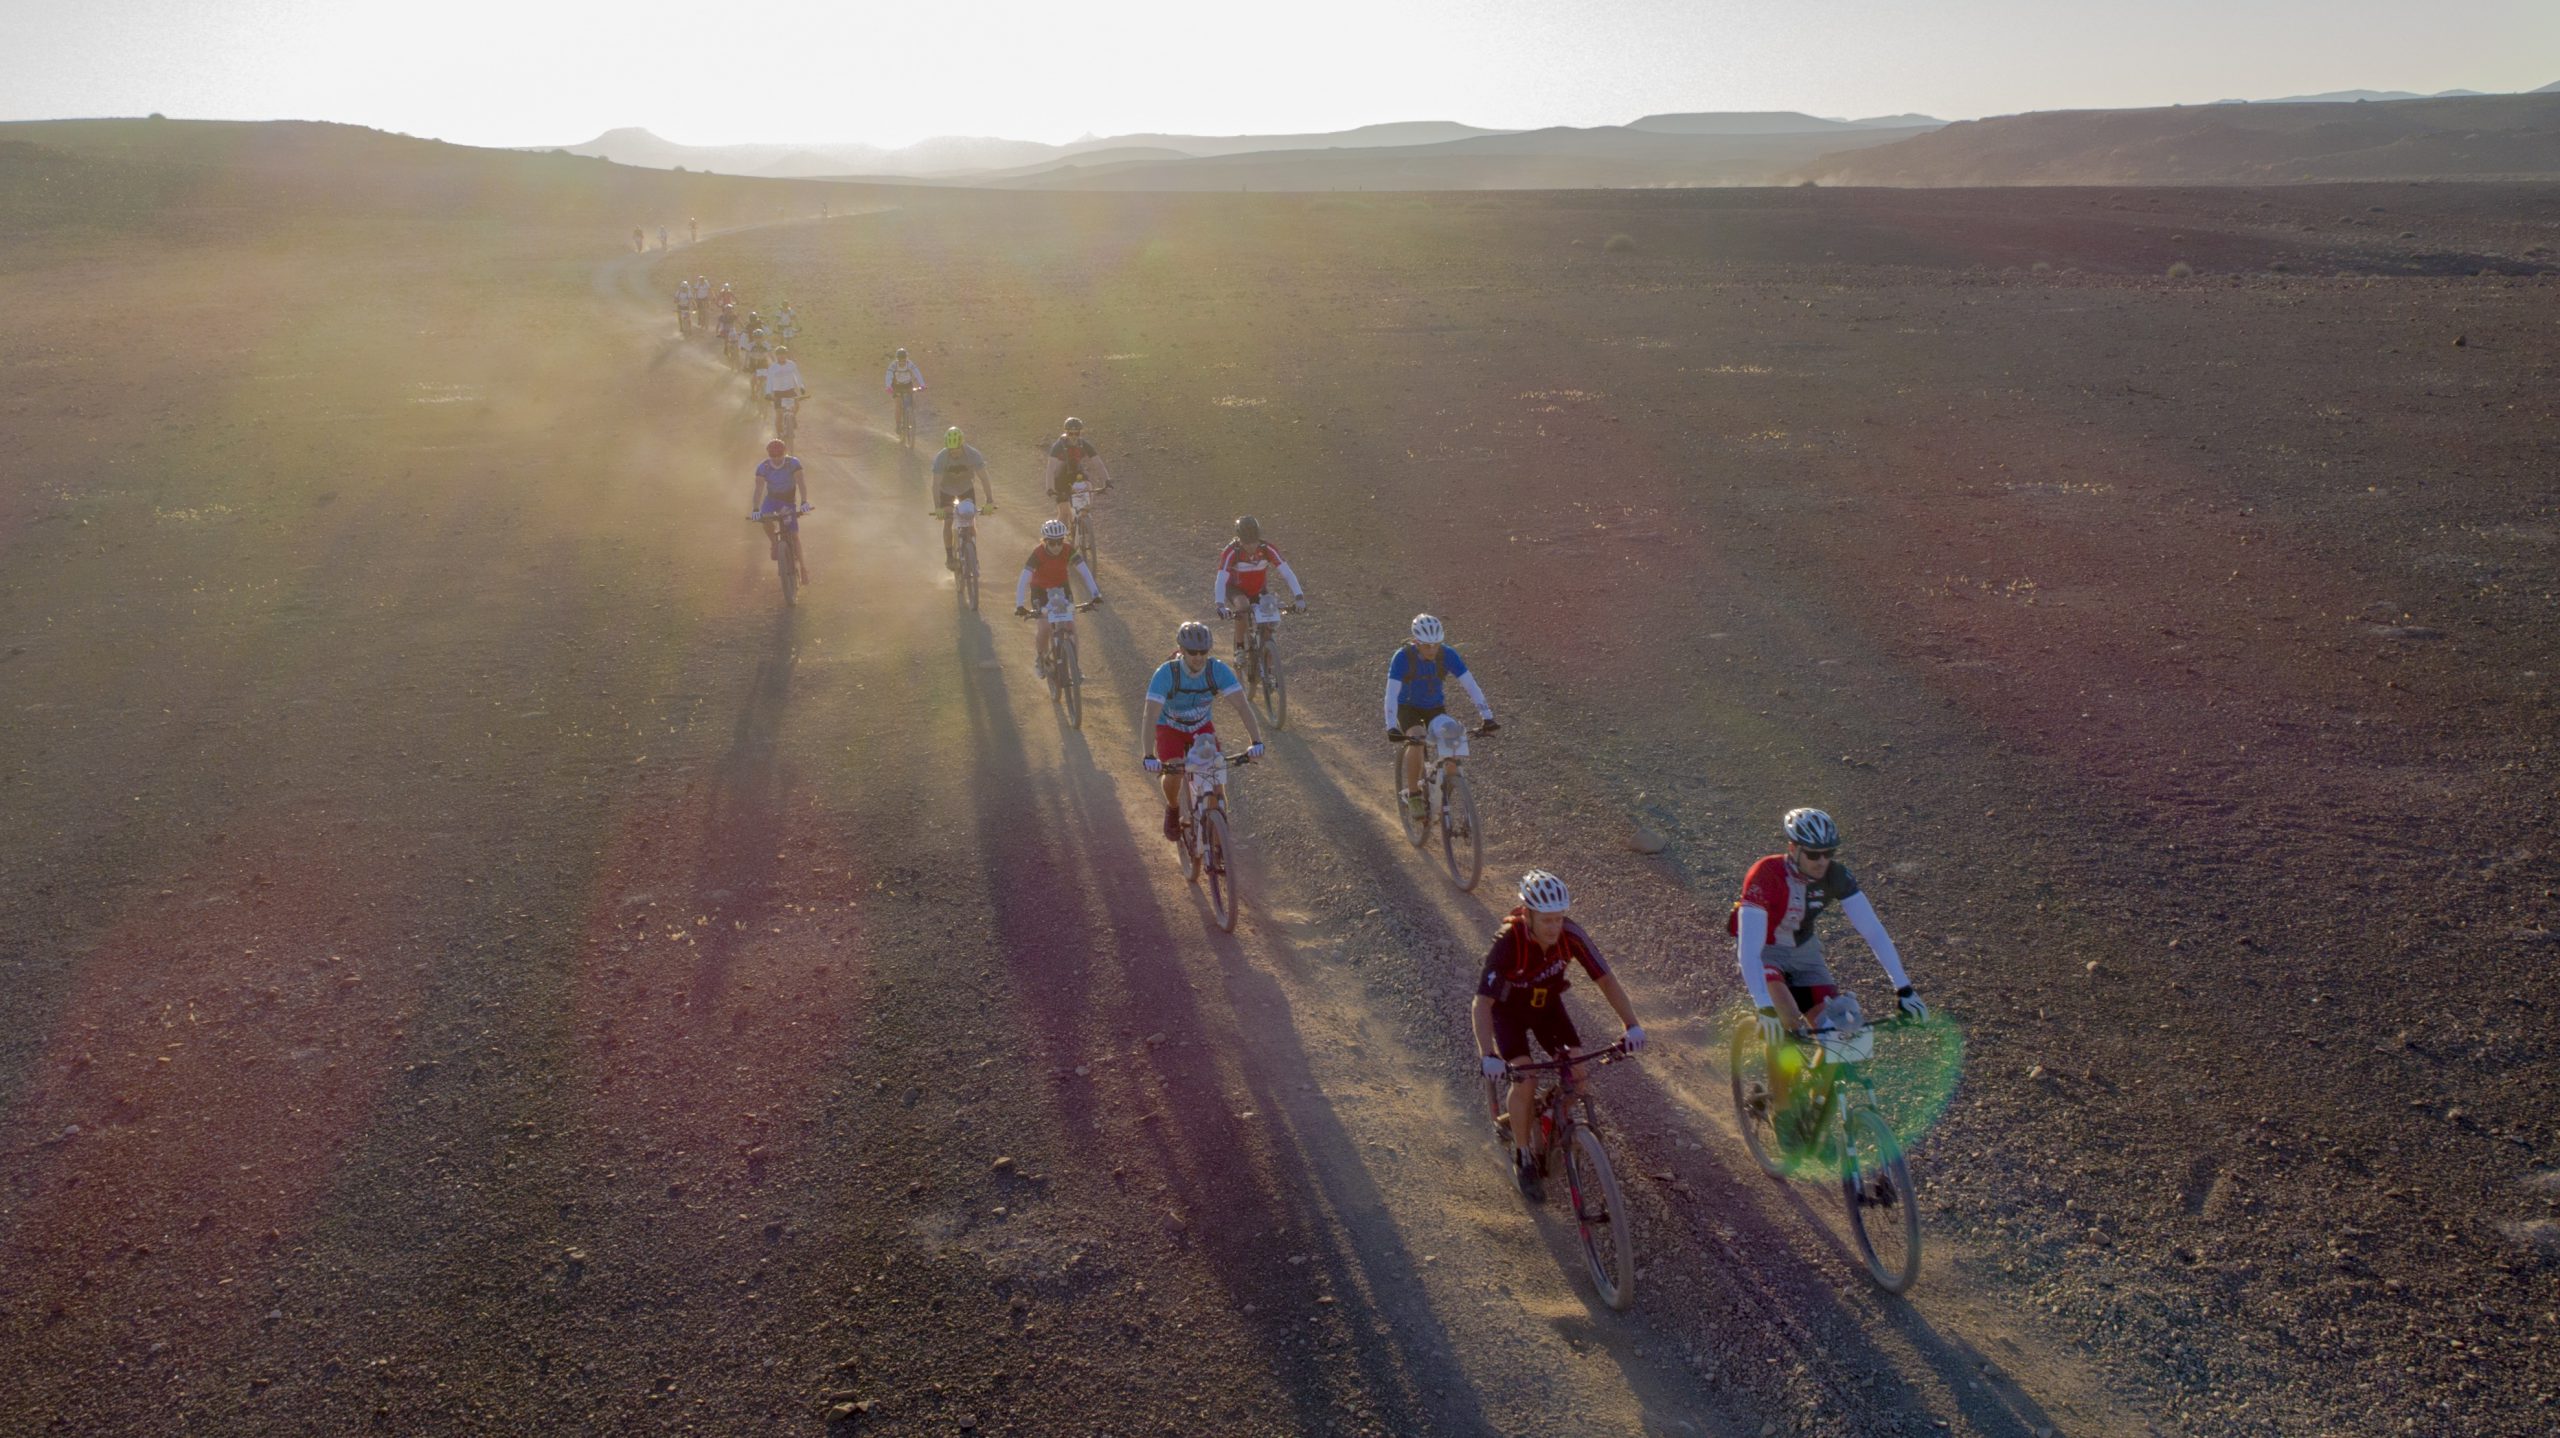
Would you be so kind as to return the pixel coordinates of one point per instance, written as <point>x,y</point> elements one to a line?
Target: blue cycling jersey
<point>1422,678</point>
<point>780,476</point>
<point>1188,697</point>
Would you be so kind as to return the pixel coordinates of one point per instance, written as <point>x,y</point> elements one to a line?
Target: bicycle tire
<point>969,572</point>
<point>1458,813</point>
<point>1415,830</point>
<point>1747,1065</point>
<point>790,576</point>
<point>1070,680</point>
<point>1217,861</point>
<point>1600,1211</point>
<point>1275,687</point>
<point>1085,547</point>
<point>1190,851</point>
<point>1884,1209</point>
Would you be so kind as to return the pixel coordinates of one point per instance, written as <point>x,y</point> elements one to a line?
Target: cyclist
<point>1520,996</point>
<point>639,245</point>
<point>959,473</point>
<point>904,380</point>
<point>758,348</point>
<point>694,229</point>
<point>684,307</point>
<point>1048,568</point>
<point>1180,698</point>
<point>786,323</point>
<point>782,379</point>
<point>662,237</point>
<point>1773,928</point>
<point>1246,566</point>
<point>782,487</point>
<point>1415,676</point>
<point>1069,456</point>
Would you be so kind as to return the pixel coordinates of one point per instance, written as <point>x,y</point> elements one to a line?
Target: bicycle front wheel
<point>1218,863</point>
<point>1070,677</point>
<point>1085,547</point>
<point>1747,1062</point>
<point>1608,1230</point>
<point>1415,829</point>
<point>969,572</point>
<point>1275,688</point>
<point>1461,841</point>
<point>1884,1211</point>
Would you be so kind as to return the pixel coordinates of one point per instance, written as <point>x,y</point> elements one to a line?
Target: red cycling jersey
<point>1050,571</point>
<point>1775,888</point>
<point>1248,576</point>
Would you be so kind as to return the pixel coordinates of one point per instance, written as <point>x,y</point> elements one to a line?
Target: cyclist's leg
<point>1511,1042</point>
<point>1171,746</point>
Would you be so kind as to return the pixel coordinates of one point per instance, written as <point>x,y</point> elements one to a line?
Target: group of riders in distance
<point>1783,1095</point>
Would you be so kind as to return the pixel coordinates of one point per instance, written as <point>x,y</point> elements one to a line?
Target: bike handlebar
<point>1609,1055</point>
<point>1401,737</point>
<point>1038,613</point>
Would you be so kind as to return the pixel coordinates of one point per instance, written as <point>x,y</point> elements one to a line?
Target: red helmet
<point>776,449</point>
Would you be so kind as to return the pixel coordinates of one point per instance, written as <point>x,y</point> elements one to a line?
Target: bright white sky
<point>534,72</point>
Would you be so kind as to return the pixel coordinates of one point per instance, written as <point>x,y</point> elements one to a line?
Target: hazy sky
<point>528,72</point>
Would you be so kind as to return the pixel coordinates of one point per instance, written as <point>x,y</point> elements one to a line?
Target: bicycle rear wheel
<point>1415,830</point>
<point>1748,1065</point>
<point>1608,1231</point>
<point>1461,841</point>
<point>1216,862</point>
<point>1070,680</point>
<point>1884,1211</point>
<point>969,572</point>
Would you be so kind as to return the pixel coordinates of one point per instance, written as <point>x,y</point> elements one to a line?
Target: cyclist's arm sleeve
<point>1089,586</point>
<point>1751,930</point>
<point>1296,590</point>
<point>1218,584</point>
<point>1395,691</point>
<point>1475,692</point>
<point>1022,588</point>
<point>1862,917</point>
<point>1100,468</point>
<point>1051,480</point>
<point>915,376</point>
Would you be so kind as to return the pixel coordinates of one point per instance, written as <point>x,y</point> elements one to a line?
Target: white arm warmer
<point>1862,917</point>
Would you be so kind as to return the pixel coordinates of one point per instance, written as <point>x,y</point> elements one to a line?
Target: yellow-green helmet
<point>951,438</point>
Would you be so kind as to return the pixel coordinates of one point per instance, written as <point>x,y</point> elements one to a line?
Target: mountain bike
<point>1449,803</point>
<point>684,321</point>
<point>1263,678</point>
<point>960,540</point>
<point>1066,676</point>
<point>907,415</point>
<point>786,417</point>
<point>782,527</point>
<point>1205,846</point>
<point>1564,1126</point>
<point>1831,1115</point>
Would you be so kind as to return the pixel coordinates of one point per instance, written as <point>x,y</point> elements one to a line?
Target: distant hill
<point>1770,122</point>
<point>1606,157</point>
<point>956,156</point>
<point>2349,97</point>
<point>2479,137</point>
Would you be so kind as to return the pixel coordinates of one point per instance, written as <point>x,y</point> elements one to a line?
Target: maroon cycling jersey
<point>1791,901</point>
<point>1518,970</point>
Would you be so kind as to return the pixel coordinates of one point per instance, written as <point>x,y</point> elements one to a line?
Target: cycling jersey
<point>1519,971</point>
<point>1046,571</point>
<point>1414,682</point>
<point>904,373</point>
<point>1786,903</point>
<point>1248,576</point>
<point>1188,697</point>
<point>956,471</point>
<point>1790,901</point>
<point>780,476</point>
<point>1071,451</point>
<point>782,377</point>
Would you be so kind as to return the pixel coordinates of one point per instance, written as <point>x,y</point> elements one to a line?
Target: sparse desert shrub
<point>1619,244</point>
<point>2181,270</point>
<point>156,115</point>
<point>2041,267</point>
<point>2278,267</point>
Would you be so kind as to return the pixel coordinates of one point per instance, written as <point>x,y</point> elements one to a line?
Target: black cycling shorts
<point>1515,1024</point>
<point>1411,716</point>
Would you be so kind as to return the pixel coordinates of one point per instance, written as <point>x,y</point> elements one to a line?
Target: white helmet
<point>1426,629</point>
<point>1204,755</point>
<point>1811,828</point>
<point>1447,734</point>
<point>1544,893</point>
<point>1054,529</point>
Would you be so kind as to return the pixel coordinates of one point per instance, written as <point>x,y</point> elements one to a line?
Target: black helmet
<point>1074,425</point>
<point>1249,530</point>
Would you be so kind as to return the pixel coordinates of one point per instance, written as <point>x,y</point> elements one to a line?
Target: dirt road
<point>473,963</point>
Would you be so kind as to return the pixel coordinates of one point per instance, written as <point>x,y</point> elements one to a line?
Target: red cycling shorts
<point>1174,745</point>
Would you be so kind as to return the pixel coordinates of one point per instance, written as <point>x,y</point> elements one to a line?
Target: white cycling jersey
<point>782,377</point>
<point>903,372</point>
